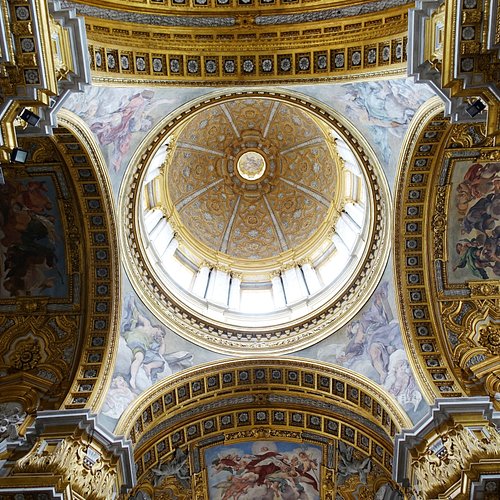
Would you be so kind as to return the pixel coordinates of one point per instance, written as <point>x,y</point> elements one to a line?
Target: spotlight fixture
<point>18,155</point>
<point>29,117</point>
<point>475,108</point>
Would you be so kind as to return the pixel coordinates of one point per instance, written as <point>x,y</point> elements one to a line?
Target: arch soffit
<point>95,367</point>
<point>238,400</point>
<point>60,324</point>
<point>442,335</point>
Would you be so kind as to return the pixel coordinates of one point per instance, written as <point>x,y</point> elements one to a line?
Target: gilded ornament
<point>440,464</point>
<point>27,355</point>
<point>490,155</point>
<point>69,459</point>
<point>466,135</point>
<point>489,337</point>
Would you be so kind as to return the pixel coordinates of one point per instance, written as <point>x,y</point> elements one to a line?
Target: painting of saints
<point>477,202</point>
<point>264,470</point>
<point>375,349</point>
<point>143,358</point>
<point>31,255</point>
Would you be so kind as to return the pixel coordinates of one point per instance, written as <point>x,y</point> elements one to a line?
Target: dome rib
<point>229,227</point>
<point>281,237</point>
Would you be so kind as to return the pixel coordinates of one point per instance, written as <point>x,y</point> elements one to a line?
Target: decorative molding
<point>454,445</point>
<point>131,49</point>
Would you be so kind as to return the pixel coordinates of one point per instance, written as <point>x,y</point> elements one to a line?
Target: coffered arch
<point>236,402</point>
<point>446,229</point>
<point>60,291</point>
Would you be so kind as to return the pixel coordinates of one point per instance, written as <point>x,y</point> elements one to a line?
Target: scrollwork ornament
<point>439,223</point>
<point>69,459</point>
<point>491,155</point>
<point>27,355</point>
<point>489,337</point>
<point>199,486</point>
<point>466,135</point>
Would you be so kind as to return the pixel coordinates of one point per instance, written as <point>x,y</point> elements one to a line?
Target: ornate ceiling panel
<point>236,44</point>
<point>261,217</point>
<point>230,7</point>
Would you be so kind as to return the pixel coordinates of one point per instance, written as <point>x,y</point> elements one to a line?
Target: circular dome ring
<point>174,307</point>
<point>251,166</point>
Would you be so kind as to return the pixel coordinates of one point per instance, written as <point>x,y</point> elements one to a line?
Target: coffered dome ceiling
<point>253,179</point>
<point>251,216</point>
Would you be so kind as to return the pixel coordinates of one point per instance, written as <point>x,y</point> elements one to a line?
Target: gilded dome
<point>252,178</point>
<point>252,215</point>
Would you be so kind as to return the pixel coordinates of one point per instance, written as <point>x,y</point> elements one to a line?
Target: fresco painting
<point>32,257</point>
<point>121,117</point>
<point>474,238</point>
<point>371,344</point>
<point>381,110</point>
<point>264,470</point>
<point>147,353</point>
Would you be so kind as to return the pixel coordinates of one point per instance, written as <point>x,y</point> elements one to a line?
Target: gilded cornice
<point>286,337</point>
<point>442,317</point>
<point>452,452</point>
<point>248,51</point>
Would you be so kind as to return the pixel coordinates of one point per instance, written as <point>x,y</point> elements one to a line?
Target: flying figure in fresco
<point>268,474</point>
<point>478,204</point>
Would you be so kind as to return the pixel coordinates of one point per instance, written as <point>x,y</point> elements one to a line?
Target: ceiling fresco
<point>249,258</point>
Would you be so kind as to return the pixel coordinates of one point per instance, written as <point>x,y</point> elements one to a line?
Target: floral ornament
<point>157,65</point>
<point>124,62</point>
<point>489,337</point>
<point>140,63</point>
<point>175,65</point>
<point>267,65</point>
<point>339,60</point>
<point>356,58</point>
<point>322,62</point>
<point>229,66</point>
<point>31,76</point>
<point>27,355</point>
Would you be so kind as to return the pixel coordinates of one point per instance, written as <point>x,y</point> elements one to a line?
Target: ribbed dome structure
<point>252,178</point>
